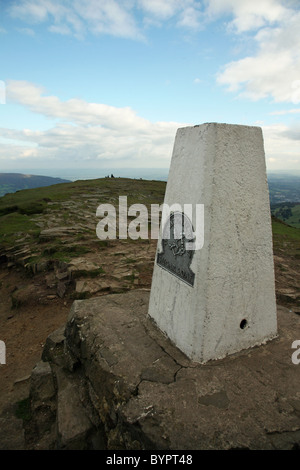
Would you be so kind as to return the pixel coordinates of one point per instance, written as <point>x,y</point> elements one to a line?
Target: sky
<point>107,83</point>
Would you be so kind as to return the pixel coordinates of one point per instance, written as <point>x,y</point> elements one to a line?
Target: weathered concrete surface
<point>221,166</point>
<point>136,390</point>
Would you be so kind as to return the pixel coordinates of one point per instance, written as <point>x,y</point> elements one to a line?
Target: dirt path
<point>24,331</point>
<point>31,309</point>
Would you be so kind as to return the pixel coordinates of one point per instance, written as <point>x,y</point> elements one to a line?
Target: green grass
<point>35,200</point>
<point>295,219</point>
<point>130,277</point>
<point>288,213</point>
<point>286,231</point>
<point>286,238</point>
<point>6,188</point>
<point>61,252</point>
<point>58,252</point>
<point>129,261</point>
<point>91,273</point>
<point>14,224</point>
<point>102,243</point>
<point>17,208</point>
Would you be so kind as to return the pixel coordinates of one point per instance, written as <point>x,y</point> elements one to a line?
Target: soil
<point>24,331</point>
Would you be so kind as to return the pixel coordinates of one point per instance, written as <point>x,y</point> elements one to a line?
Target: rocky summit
<point>85,368</point>
<point>111,380</point>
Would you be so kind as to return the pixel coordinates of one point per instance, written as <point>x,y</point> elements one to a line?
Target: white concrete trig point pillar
<point>219,299</point>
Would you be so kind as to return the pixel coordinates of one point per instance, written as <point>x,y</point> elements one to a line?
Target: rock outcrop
<point>109,379</point>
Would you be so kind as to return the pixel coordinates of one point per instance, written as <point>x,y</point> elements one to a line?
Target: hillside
<point>50,255</point>
<point>12,182</point>
<point>40,228</point>
<point>288,212</point>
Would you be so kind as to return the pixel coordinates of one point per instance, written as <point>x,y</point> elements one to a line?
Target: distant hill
<point>283,188</point>
<point>12,182</point>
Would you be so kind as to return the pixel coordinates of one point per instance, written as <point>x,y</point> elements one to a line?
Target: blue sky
<point>106,83</point>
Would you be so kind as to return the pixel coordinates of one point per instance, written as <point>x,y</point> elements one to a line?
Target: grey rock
<point>62,275</point>
<point>61,289</point>
<point>53,350</point>
<point>57,232</point>
<point>128,387</point>
<point>42,388</point>
<point>73,424</point>
<point>11,432</point>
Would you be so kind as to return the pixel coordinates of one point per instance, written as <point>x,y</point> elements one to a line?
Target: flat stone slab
<point>149,395</point>
<point>56,232</point>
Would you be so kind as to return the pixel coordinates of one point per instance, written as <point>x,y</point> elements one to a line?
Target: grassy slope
<point>286,238</point>
<point>294,219</point>
<point>16,209</point>
<point>63,191</point>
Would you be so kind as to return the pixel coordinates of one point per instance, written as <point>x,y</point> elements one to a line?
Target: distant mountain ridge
<point>12,182</point>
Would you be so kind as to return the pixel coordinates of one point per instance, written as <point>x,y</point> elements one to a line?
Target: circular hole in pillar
<point>243,324</point>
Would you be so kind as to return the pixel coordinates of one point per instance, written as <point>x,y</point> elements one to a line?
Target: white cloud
<point>27,31</point>
<point>76,17</point>
<point>70,144</point>
<point>190,18</point>
<point>60,29</point>
<point>274,70</point>
<point>162,9</point>
<point>282,146</point>
<point>87,131</point>
<point>73,110</point>
<point>108,16</point>
<point>98,134</point>
<point>285,111</point>
<point>33,11</point>
<point>113,17</point>
<point>120,18</point>
<point>248,14</point>
<point>273,26</point>
<point>99,131</point>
